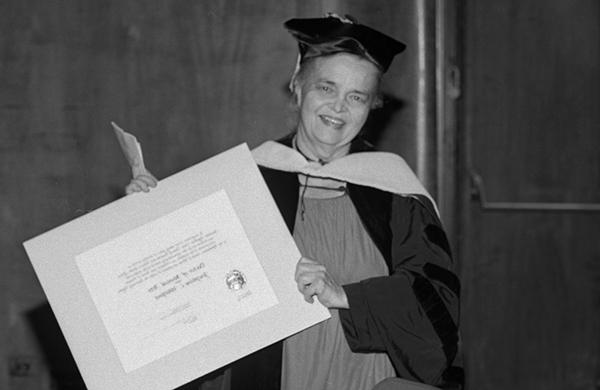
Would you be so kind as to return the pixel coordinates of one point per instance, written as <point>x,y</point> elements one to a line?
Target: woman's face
<point>335,96</point>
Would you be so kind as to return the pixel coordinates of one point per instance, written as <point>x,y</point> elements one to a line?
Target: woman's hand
<point>313,279</point>
<point>141,182</point>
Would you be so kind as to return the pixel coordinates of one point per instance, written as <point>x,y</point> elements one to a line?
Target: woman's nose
<point>339,104</point>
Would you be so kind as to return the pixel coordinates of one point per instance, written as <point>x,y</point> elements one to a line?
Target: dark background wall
<point>188,78</point>
<point>192,78</point>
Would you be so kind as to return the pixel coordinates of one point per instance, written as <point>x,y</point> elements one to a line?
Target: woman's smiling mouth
<point>336,123</point>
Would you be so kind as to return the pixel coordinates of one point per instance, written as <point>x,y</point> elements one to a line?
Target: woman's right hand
<point>141,182</point>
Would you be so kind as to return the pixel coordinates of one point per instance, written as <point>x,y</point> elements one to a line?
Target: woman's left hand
<point>313,279</point>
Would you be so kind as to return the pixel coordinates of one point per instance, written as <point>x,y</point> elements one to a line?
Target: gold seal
<point>235,280</point>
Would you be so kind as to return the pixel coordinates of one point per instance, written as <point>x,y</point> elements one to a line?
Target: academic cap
<point>334,34</point>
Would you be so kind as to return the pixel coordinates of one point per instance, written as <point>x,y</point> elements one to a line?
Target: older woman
<point>374,251</point>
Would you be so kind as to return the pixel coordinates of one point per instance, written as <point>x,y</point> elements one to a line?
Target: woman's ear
<point>377,102</point>
<point>297,92</point>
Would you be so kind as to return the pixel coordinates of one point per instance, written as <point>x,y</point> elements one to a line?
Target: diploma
<point>157,289</point>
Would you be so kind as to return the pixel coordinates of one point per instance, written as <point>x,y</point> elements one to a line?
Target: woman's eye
<point>324,88</point>
<point>357,99</point>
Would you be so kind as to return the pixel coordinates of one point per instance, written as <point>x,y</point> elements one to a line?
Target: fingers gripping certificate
<point>197,277</point>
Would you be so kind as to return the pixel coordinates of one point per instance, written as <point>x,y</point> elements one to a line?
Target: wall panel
<point>531,299</point>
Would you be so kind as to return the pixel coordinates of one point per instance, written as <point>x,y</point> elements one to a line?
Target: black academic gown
<point>412,315</point>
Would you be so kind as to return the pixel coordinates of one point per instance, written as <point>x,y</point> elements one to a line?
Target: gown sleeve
<point>412,314</point>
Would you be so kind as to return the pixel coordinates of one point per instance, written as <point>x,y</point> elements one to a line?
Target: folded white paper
<point>159,288</point>
<point>131,149</point>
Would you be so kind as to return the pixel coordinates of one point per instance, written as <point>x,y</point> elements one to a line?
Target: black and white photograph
<point>299,195</point>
